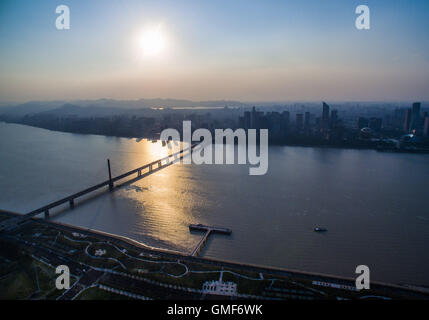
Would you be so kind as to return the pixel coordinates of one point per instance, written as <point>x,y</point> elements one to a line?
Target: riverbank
<point>134,248</point>
<point>303,188</point>
<point>354,145</point>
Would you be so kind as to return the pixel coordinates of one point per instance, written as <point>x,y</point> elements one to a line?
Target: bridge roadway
<point>168,160</point>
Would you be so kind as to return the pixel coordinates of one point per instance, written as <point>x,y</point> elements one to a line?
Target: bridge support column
<point>71,204</point>
<point>139,173</point>
<point>110,176</point>
<point>150,167</point>
<point>159,164</point>
<point>47,214</point>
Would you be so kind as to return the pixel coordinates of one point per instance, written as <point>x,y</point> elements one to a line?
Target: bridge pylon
<point>111,186</point>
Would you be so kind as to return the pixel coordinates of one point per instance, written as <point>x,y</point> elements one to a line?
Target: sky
<point>247,50</point>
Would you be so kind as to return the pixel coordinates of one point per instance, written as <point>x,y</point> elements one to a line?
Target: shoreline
<point>285,272</point>
<point>271,143</point>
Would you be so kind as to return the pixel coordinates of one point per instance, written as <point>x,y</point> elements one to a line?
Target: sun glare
<point>152,41</point>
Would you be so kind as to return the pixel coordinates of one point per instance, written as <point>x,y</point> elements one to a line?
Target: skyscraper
<point>307,120</point>
<point>415,116</point>
<point>253,119</point>
<point>247,118</point>
<point>375,124</point>
<point>299,121</point>
<point>256,118</point>
<point>286,117</point>
<point>407,121</point>
<point>426,128</point>
<point>325,117</point>
<point>334,117</point>
<point>363,122</point>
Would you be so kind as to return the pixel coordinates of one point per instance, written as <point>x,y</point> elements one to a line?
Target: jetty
<point>208,230</point>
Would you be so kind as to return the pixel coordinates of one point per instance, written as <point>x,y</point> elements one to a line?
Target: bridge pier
<point>139,173</point>
<point>71,204</point>
<point>159,164</point>
<point>150,168</point>
<point>110,176</point>
<point>47,214</point>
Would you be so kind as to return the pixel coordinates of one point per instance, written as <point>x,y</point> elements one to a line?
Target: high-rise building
<point>375,124</point>
<point>307,120</point>
<point>363,122</point>
<point>334,117</point>
<point>426,128</point>
<point>407,121</point>
<point>325,116</point>
<point>253,119</point>
<point>299,121</point>
<point>398,117</point>
<point>246,119</point>
<point>286,117</point>
<point>415,116</point>
<point>256,119</point>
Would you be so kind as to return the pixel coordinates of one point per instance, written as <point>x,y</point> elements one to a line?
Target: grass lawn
<point>98,294</point>
<point>17,285</point>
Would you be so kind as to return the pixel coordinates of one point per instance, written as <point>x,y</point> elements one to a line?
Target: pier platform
<point>208,231</point>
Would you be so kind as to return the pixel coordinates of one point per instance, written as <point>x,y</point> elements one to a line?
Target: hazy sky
<point>249,50</point>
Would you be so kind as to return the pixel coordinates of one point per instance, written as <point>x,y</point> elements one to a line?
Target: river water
<point>375,205</point>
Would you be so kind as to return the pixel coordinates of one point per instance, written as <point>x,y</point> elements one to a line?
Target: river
<point>374,205</point>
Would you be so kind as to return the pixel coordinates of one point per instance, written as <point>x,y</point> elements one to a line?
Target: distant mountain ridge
<point>34,107</point>
<point>105,107</point>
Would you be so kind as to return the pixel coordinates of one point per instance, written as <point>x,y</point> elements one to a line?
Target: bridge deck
<point>201,227</point>
<point>168,160</point>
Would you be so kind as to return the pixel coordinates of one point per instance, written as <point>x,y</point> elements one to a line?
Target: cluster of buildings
<point>329,127</point>
<point>403,120</point>
<point>280,123</point>
<point>306,125</point>
<point>349,124</point>
<point>416,122</point>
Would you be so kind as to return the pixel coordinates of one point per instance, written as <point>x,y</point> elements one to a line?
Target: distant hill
<point>107,106</point>
<point>69,109</point>
<point>29,108</point>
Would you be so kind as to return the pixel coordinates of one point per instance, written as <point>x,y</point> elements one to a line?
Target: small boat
<point>320,229</point>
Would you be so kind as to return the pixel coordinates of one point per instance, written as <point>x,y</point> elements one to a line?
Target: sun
<point>152,41</point>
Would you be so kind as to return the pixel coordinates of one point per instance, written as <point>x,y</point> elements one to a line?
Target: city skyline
<point>210,51</point>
